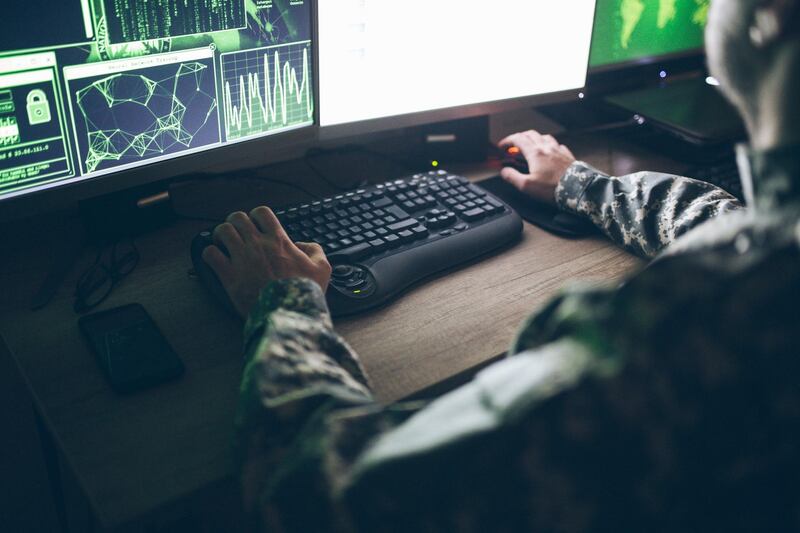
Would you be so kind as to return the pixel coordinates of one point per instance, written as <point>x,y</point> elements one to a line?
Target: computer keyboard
<point>384,238</point>
<point>724,173</point>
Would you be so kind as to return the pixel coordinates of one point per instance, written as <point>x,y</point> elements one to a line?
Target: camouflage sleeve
<point>643,212</point>
<point>318,454</point>
<point>297,371</point>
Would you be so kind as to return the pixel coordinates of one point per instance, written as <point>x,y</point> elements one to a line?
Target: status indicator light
<point>434,163</point>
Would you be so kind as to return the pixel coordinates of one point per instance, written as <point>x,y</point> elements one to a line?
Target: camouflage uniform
<point>669,403</point>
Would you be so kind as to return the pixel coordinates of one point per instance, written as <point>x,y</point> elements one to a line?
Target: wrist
<point>573,184</point>
<point>297,295</point>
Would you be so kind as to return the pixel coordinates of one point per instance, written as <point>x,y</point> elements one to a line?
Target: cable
<point>325,179</point>
<point>239,176</point>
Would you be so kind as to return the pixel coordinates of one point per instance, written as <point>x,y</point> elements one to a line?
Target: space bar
<point>403,224</point>
<point>354,253</point>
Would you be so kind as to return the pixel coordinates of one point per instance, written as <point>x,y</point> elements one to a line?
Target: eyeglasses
<point>97,283</point>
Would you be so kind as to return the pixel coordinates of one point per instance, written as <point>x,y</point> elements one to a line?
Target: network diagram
<point>123,83</point>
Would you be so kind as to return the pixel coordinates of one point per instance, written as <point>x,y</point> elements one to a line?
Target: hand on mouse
<point>547,159</point>
<point>261,252</point>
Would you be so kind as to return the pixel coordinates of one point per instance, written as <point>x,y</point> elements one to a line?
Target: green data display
<point>116,84</point>
<point>628,30</point>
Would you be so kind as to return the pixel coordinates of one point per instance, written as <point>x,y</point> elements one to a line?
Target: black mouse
<point>207,276</point>
<point>512,157</point>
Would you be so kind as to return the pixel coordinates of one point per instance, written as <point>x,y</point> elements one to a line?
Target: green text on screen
<point>100,86</point>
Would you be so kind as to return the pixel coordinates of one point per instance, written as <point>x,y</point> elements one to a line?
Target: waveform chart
<point>266,90</point>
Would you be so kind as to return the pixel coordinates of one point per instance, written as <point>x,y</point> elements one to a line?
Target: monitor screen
<point>94,87</point>
<point>384,58</point>
<point>629,31</point>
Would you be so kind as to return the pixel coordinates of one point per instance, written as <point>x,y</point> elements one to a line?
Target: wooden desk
<point>141,457</point>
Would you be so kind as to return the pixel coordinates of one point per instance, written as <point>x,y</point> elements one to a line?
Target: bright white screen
<point>381,58</point>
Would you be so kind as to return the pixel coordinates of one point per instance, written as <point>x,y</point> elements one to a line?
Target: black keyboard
<point>724,173</point>
<point>384,238</point>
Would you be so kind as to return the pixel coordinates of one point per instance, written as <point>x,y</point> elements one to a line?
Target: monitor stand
<point>689,109</point>
<point>685,119</point>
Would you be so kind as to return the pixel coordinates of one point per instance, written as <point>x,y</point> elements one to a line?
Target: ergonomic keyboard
<point>384,238</point>
<point>724,173</point>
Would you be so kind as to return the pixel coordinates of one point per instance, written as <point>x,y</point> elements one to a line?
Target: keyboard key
<point>378,244</point>
<point>352,253</point>
<point>473,214</point>
<point>402,225</point>
<point>420,231</point>
<point>397,212</point>
<point>392,240</point>
<point>406,236</point>
<point>355,284</point>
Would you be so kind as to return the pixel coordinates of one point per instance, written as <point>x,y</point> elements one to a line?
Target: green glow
<point>161,19</point>
<point>154,102</point>
<point>283,99</point>
<point>626,30</point>
<point>9,131</point>
<point>33,147</point>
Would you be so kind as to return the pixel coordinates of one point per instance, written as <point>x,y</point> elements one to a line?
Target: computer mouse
<point>206,274</point>
<point>512,157</point>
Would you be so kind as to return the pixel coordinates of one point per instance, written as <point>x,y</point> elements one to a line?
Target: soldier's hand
<point>547,160</point>
<point>261,252</point>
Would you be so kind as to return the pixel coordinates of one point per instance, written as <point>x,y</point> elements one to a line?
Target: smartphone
<point>129,347</point>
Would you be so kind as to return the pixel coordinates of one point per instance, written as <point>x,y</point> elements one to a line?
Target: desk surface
<point>135,454</point>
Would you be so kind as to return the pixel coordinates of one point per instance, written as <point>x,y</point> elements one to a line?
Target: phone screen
<point>130,349</point>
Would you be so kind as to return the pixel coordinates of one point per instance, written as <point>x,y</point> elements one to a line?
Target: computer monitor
<point>389,63</point>
<point>118,93</point>
<point>637,32</point>
<point>109,93</point>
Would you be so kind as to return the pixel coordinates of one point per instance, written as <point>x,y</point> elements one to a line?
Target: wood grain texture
<point>135,455</point>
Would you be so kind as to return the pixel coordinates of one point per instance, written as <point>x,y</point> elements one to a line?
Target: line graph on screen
<point>266,89</point>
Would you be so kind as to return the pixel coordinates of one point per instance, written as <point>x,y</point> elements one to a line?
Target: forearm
<point>643,212</point>
<point>297,372</point>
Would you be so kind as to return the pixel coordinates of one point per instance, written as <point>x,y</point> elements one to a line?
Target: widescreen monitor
<point>631,32</point>
<point>392,63</point>
<point>90,89</point>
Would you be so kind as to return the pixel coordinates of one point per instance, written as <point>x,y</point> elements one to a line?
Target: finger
<point>566,151</point>
<point>514,139</point>
<point>530,149</point>
<point>268,223</point>
<point>313,250</point>
<point>515,178</point>
<point>507,141</point>
<point>226,235</point>
<point>534,136</point>
<point>247,230</point>
<point>218,262</point>
<point>550,141</point>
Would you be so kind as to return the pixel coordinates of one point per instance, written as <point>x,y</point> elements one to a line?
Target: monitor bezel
<point>351,130</point>
<point>262,150</point>
<point>645,61</point>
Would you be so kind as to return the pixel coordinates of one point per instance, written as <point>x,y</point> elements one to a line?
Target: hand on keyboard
<point>547,162</point>
<point>251,251</point>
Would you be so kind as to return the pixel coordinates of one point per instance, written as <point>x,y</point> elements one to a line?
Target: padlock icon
<point>38,107</point>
